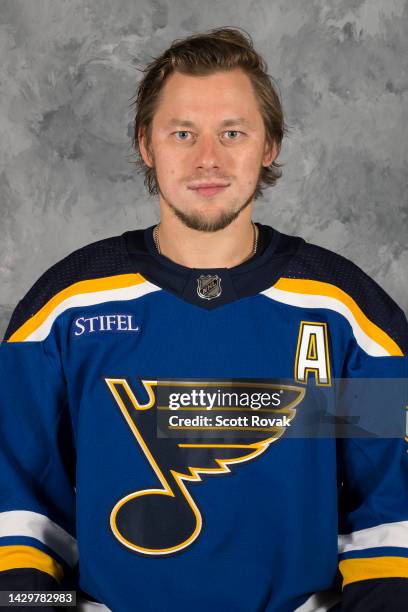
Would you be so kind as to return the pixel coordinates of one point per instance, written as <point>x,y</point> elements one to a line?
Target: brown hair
<point>202,54</point>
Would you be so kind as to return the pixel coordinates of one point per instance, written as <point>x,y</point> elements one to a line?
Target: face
<point>207,147</point>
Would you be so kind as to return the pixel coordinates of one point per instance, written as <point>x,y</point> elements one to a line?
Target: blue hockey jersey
<point>151,456</point>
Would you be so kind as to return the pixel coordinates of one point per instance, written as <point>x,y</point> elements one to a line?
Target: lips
<point>207,185</point>
<point>208,189</point>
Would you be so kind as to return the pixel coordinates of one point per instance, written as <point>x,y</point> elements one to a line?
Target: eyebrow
<point>225,123</point>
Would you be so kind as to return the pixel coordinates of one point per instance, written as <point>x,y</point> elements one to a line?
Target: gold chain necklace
<point>254,247</point>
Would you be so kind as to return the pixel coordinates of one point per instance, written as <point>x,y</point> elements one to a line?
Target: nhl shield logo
<point>208,286</point>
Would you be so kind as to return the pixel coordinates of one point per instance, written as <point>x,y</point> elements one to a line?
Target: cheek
<point>168,159</point>
<point>168,172</point>
<point>249,166</point>
<point>252,157</point>
<point>163,161</point>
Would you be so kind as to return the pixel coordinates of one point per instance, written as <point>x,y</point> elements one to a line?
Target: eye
<point>182,132</point>
<point>236,132</point>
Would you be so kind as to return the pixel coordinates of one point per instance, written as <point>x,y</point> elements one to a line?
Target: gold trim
<point>21,556</point>
<point>366,568</point>
<point>312,287</point>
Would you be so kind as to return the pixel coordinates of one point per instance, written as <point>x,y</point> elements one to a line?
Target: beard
<point>198,221</point>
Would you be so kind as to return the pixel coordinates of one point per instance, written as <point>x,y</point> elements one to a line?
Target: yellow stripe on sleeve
<point>354,570</point>
<point>22,556</point>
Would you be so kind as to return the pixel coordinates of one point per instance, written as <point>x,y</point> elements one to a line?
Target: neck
<point>224,248</point>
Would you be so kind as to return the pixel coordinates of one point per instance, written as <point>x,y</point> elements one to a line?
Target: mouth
<point>208,190</point>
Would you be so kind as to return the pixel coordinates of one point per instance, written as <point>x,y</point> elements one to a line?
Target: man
<point>154,385</point>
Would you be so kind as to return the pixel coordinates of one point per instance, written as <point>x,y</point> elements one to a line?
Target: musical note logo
<point>166,520</point>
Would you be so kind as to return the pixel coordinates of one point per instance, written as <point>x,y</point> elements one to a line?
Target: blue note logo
<point>166,519</point>
<point>105,323</point>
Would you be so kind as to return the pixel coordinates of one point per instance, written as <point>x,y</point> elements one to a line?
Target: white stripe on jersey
<point>88,299</point>
<point>35,525</point>
<point>320,602</point>
<point>388,534</point>
<point>306,300</point>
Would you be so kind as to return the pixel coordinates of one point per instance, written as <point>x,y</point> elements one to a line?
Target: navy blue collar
<point>213,287</point>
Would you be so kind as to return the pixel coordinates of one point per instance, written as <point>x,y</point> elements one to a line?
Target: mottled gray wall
<point>67,76</point>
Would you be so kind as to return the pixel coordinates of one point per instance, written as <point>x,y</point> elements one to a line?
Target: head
<point>208,113</point>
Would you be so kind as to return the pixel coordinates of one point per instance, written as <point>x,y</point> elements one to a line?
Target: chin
<point>207,222</point>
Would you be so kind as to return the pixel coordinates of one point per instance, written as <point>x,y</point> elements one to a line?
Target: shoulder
<point>103,258</point>
<point>334,281</point>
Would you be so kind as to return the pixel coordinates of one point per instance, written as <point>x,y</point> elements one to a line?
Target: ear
<point>270,153</point>
<point>144,150</point>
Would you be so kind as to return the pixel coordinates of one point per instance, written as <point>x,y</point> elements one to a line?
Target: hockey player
<point>131,466</point>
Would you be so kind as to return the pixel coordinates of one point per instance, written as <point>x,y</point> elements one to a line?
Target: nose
<point>208,152</point>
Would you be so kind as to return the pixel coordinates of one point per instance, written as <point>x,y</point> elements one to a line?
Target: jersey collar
<point>211,288</point>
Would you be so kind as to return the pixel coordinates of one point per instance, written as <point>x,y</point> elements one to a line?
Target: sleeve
<point>373,472</point>
<point>38,548</point>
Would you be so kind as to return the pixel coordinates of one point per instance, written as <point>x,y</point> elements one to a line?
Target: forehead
<point>228,93</point>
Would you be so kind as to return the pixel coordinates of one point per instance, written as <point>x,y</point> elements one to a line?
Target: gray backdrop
<point>68,72</point>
